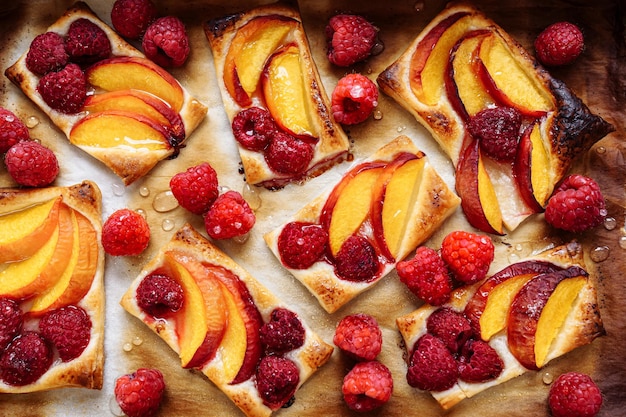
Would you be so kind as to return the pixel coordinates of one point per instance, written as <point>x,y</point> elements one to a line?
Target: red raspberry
<point>159,295</point>
<point>479,362</point>
<point>86,42</point>
<point>11,321</point>
<point>125,233</point>
<point>196,189</point>
<point>69,330</point>
<point>65,90</point>
<point>498,130</point>
<point>31,164</point>
<point>350,39</point>
<point>283,333</point>
<point>354,99</point>
<point>276,380</point>
<point>25,360</point>
<point>357,260</point>
<point>367,386</point>
<point>229,216</point>
<point>254,128</point>
<point>559,44</point>
<point>46,53</point>
<point>139,394</point>
<point>131,18</point>
<point>288,155</point>
<point>426,276</point>
<point>451,327</point>
<point>12,130</point>
<point>432,367</point>
<point>359,336</point>
<point>574,395</point>
<point>166,42</point>
<point>576,205</point>
<point>468,255</point>
<point>301,244</point>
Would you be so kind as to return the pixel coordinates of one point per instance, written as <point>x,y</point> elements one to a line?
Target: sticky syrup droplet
<point>401,128</point>
<point>32,121</point>
<point>168,224</point>
<point>127,347</point>
<point>144,191</point>
<point>622,242</point>
<point>241,239</point>
<point>141,212</point>
<point>419,6</point>
<point>600,253</point>
<point>164,202</point>
<point>378,115</point>
<point>547,378</point>
<point>600,150</point>
<point>252,196</point>
<point>118,189</point>
<point>137,341</point>
<point>115,407</point>
<point>610,223</point>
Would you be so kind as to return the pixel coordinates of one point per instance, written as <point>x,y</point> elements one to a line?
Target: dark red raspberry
<point>125,233</point>
<point>65,90</point>
<point>559,44</point>
<point>359,336</point>
<point>254,128</point>
<point>86,42</point>
<point>283,332</point>
<point>159,295</point>
<point>139,394</point>
<point>468,255</point>
<point>451,327</point>
<point>229,216</point>
<point>426,276</point>
<point>276,380</point>
<point>574,395</point>
<point>350,39</point>
<point>166,42</point>
<point>357,260</point>
<point>497,130</point>
<point>432,367</point>
<point>69,330</point>
<point>301,244</point>
<point>288,155</point>
<point>131,18</point>
<point>31,164</point>
<point>367,386</point>
<point>46,53</point>
<point>479,362</point>
<point>576,205</point>
<point>25,360</point>
<point>12,130</point>
<point>11,321</point>
<point>196,188</point>
<point>354,99</point>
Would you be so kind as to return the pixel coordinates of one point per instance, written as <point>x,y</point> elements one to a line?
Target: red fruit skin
<point>159,295</point>
<point>69,330</point>
<point>350,39</point>
<point>166,42</point>
<point>12,130</point>
<point>479,362</point>
<point>559,44</point>
<point>354,98</point>
<point>367,386</point>
<point>468,255</point>
<point>196,188</point>
<point>31,164</point>
<point>11,321</point>
<point>357,260</point>
<point>452,327</point>
<point>25,360</point>
<point>229,216</point>
<point>65,90</point>
<point>131,18</point>
<point>139,394</point>
<point>46,53</point>
<point>86,42</point>
<point>277,379</point>
<point>283,332</point>
<point>288,155</point>
<point>125,233</point>
<point>301,244</point>
<point>432,367</point>
<point>426,276</point>
<point>574,394</point>
<point>359,336</point>
<point>254,128</point>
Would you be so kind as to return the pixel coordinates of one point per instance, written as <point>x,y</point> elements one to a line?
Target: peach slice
<point>233,350</point>
<point>532,168</point>
<point>124,73</point>
<point>23,232</point>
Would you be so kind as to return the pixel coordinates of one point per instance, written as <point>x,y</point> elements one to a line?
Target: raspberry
<point>574,395</point>
<point>131,18</point>
<point>166,43</point>
<point>479,362</point>
<point>196,189</point>
<point>498,130</point>
<point>576,205</point>
<point>359,336</point>
<point>125,233</point>
<point>367,386</point>
<point>12,130</point>
<point>254,128</point>
<point>25,360</point>
<point>432,367</point>
<point>229,216</point>
<point>69,330</point>
<point>354,99</point>
<point>31,164</point>
<point>46,53</point>
<point>451,327</point>
<point>159,295</point>
<point>559,44</point>
<point>426,276</point>
<point>288,155</point>
<point>11,321</point>
<point>276,380</point>
<point>139,394</point>
<point>301,244</point>
<point>468,255</point>
<point>350,39</point>
<point>356,260</point>
<point>65,90</point>
<point>86,42</point>
<point>283,333</point>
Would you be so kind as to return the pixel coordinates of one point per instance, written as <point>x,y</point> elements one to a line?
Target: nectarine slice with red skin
<point>531,169</point>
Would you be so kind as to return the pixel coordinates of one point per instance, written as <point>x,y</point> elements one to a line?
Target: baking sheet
<point>598,76</point>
